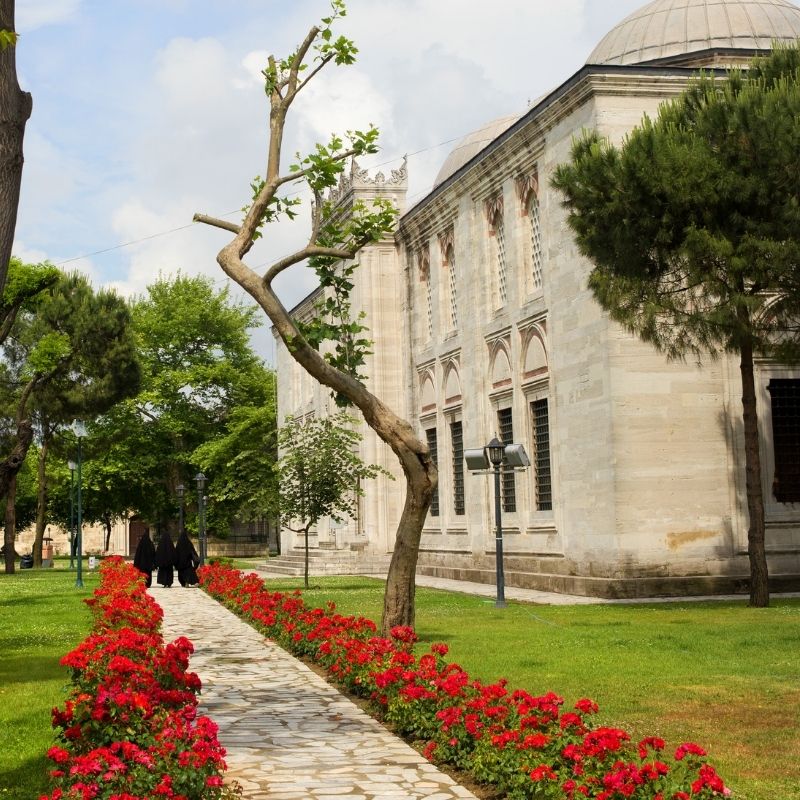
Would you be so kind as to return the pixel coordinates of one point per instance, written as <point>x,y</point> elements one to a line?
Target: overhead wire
<point>158,235</point>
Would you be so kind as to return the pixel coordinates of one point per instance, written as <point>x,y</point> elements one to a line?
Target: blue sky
<point>145,111</point>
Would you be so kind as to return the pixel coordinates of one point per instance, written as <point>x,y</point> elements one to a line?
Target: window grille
<point>785,401</point>
<point>536,241</point>
<point>430,435</point>
<point>541,455</point>
<point>505,422</point>
<point>429,306</point>
<point>457,441</point>
<point>451,282</point>
<point>502,276</point>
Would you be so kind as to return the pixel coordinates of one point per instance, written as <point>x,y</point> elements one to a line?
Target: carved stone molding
<point>527,186</point>
<point>424,264</point>
<point>360,179</point>
<point>446,243</point>
<point>493,207</point>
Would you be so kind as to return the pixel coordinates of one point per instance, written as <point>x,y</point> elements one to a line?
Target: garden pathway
<point>288,733</point>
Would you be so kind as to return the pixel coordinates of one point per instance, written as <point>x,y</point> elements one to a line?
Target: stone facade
<point>483,325</point>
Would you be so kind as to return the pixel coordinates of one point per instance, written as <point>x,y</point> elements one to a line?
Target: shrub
<point>129,729</point>
<point>526,745</point>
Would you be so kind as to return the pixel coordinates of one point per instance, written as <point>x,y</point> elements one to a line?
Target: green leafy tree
<point>201,388</point>
<point>334,241</point>
<point>240,463</point>
<point>320,473</point>
<point>70,354</point>
<point>693,225</point>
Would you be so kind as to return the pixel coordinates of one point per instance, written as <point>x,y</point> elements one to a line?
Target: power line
<point>238,211</point>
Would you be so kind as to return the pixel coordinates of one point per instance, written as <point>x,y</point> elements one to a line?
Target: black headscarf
<point>186,560</point>
<point>144,557</point>
<point>165,559</point>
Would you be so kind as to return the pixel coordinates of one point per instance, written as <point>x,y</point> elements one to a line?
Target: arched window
<point>534,218</point>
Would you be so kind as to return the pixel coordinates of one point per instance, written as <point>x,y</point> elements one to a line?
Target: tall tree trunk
<point>15,109</point>
<point>413,454</point>
<point>759,575</point>
<point>305,567</point>
<point>11,465</point>
<point>107,524</point>
<point>10,530</point>
<point>41,502</point>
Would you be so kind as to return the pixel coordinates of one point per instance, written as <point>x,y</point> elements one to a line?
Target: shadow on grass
<point>24,669</point>
<point>25,781</point>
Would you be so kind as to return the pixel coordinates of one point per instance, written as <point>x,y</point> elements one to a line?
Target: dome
<point>669,28</point>
<point>471,145</point>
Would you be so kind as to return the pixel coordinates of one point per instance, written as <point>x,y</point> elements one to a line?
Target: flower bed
<point>527,746</point>
<point>129,729</point>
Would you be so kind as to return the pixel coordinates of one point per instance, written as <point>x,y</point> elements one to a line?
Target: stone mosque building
<point>483,324</point>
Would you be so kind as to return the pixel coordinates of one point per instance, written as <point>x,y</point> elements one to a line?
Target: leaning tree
<point>693,225</point>
<point>334,241</point>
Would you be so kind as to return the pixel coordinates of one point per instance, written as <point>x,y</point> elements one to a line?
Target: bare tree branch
<point>216,223</point>
<point>302,255</point>
<point>300,55</point>
<point>314,71</point>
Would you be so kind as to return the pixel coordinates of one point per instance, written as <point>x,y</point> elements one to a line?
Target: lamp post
<point>510,456</point>
<point>181,489</point>
<point>79,429</point>
<point>201,516</point>
<point>71,464</point>
<point>495,451</point>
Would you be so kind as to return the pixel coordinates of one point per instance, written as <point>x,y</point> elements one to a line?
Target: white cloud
<point>32,14</point>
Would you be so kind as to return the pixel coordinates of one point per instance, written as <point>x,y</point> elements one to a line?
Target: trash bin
<point>26,562</point>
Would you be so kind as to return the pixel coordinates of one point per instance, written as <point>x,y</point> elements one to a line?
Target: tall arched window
<point>497,231</point>
<point>534,218</point>
<point>452,286</point>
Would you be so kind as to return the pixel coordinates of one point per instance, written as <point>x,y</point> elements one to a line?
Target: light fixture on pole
<point>71,464</point>
<point>495,452</point>
<point>201,516</point>
<point>181,489</point>
<point>79,429</point>
<point>500,456</point>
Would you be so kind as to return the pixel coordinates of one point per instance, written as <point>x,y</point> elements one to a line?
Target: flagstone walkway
<point>289,734</point>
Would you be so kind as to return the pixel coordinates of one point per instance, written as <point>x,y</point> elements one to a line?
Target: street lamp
<point>505,456</point>
<point>79,429</point>
<point>495,451</point>
<point>181,489</point>
<point>71,464</point>
<point>201,516</point>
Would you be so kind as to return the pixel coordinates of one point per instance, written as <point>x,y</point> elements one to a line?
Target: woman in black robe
<point>144,557</point>
<point>165,560</point>
<point>186,560</point>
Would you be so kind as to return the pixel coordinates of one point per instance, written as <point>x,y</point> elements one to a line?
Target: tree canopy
<point>693,227</point>
<point>320,472</point>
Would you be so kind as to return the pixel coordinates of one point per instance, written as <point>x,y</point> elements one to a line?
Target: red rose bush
<point>527,746</point>
<point>129,729</point>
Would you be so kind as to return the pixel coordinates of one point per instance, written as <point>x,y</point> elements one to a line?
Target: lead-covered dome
<point>670,28</point>
<point>471,145</point>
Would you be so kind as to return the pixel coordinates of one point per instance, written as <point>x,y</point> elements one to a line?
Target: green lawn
<point>41,618</point>
<point>718,673</point>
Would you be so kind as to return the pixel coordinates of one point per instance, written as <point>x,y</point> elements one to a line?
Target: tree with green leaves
<point>70,355</point>
<point>693,226</point>
<point>15,109</point>
<point>320,473</point>
<point>204,393</point>
<point>334,242</point>
<point>240,464</point>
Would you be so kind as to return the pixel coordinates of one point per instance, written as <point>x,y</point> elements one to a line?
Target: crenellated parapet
<point>359,185</point>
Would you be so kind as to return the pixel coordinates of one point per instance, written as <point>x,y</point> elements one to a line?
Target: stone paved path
<point>289,735</point>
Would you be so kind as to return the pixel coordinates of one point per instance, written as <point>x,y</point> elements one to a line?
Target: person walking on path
<point>165,560</point>
<point>144,557</point>
<point>186,560</point>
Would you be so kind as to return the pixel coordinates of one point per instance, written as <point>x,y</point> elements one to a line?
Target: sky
<point>147,111</point>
